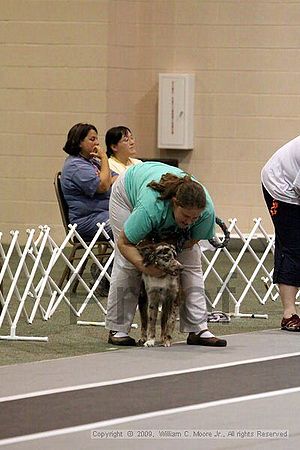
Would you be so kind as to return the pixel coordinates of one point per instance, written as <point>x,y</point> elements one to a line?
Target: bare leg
<point>288,298</point>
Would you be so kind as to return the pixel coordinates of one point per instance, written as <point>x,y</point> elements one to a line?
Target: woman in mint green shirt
<point>157,200</point>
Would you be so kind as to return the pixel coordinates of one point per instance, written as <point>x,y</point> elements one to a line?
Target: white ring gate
<point>45,288</point>
<point>42,294</point>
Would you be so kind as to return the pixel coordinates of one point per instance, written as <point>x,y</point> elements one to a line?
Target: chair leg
<point>102,256</point>
<point>76,281</point>
<point>1,289</point>
<point>67,270</point>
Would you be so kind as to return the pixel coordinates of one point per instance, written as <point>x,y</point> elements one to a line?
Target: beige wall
<point>64,61</point>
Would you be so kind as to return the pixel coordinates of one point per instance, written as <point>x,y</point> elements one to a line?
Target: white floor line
<point>145,377</point>
<point>105,423</point>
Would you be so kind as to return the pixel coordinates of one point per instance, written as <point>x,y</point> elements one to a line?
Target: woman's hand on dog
<point>153,271</point>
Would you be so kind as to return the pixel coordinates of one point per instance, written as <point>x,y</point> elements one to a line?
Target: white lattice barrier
<point>236,284</point>
<point>41,292</point>
<point>223,269</point>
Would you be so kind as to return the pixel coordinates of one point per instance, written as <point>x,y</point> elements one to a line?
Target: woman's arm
<point>104,171</point>
<point>130,252</point>
<point>190,243</point>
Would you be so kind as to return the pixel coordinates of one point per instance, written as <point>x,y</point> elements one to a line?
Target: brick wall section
<point>98,61</point>
<point>53,74</point>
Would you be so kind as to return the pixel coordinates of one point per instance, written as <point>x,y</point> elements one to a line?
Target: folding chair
<point>1,287</point>
<point>102,247</point>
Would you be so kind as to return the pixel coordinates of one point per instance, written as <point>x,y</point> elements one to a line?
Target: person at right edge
<point>281,189</point>
<point>154,199</point>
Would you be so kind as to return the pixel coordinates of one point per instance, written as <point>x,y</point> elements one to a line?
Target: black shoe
<point>196,339</point>
<point>103,288</point>
<point>95,271</point>
<point>126,340</point>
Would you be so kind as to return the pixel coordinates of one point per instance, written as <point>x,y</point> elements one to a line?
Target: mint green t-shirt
<point>150,214</point>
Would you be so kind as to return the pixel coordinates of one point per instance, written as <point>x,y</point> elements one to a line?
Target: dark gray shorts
<point>286,220</point>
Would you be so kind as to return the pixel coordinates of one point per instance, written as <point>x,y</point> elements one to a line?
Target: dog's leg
<point>173,315</point>
<point>169,316</point>
<point>165,336</point>
<point>153,302</point>
<point>143,309</point>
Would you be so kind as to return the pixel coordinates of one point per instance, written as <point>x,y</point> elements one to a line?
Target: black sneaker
<point>122,341</point>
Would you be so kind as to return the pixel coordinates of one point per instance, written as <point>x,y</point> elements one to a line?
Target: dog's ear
<point>147,253</point>
<point>148,256</point>
<point>173,248</point>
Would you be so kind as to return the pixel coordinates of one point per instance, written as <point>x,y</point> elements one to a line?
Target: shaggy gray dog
<point>163,291</point>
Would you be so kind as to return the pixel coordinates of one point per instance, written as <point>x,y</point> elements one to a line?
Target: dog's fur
<point>162,291</point>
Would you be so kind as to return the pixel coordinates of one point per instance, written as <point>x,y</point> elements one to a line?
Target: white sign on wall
<point>176,111</point>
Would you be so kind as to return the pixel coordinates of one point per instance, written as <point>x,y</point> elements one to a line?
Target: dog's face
<point>162,256</point>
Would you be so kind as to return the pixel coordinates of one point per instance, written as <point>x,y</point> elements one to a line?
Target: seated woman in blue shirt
<point>86,180</point>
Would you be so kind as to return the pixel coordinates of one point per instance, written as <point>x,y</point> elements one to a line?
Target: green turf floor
<point>66,338</point>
